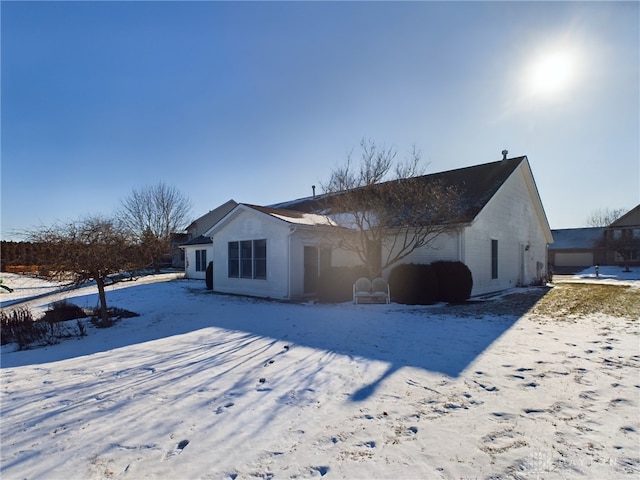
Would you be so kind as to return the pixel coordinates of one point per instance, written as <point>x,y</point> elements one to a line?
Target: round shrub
<point>413,284</point>
<point>335,284</point>
<point>63,311</point>
<point>455,281</point>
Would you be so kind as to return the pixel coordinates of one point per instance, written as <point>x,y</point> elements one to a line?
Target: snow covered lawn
<point>211,386</point>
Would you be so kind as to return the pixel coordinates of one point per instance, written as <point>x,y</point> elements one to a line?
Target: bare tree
<point>603,217</point>
<point>90,249</point>
<point>392,209</point>
<point>625,243</point>
<point>153,214</point>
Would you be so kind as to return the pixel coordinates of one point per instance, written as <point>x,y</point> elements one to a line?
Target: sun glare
<point>551,73</point>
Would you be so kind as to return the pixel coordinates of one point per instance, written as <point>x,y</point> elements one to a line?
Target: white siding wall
<point>249,226</point>
<point>190,260</point>
<point>303,237</point>
<point>444,247</point>
<point>510,218</point>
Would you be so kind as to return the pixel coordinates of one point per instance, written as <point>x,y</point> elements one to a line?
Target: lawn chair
<point>380,292</point>
<point>362,290</point>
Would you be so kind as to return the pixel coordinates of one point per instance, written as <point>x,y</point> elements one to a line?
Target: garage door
<point>583,259</point>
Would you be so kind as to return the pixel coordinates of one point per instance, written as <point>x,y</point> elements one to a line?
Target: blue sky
<point>259,101</point>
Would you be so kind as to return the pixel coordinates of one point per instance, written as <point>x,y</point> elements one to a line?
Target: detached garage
<point>574,259</point>
<point>574,249</point>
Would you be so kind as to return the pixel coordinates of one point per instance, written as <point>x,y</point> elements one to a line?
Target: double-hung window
<point>248,259</point>
<point>201,260</point>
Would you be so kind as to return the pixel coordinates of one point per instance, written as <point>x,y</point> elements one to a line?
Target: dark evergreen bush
<point>455,281</point>
<point>209,276</point>
<point>63,311</point>
<point>335,284</point>
<point>413,284</point>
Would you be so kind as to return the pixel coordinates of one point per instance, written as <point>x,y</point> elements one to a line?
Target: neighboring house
<point>198,252</point>
<point>175,259</point>
<point>197,249</point>
<point>575,249</point>
<point>623,236</point>
<point>205,222</point>
<point>279,251</point>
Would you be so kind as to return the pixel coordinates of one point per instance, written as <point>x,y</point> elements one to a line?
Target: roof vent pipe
<point>313,188</point>
<point>504,154</point>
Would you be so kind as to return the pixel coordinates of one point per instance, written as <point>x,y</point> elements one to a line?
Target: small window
<point>494,259</point>
<point>201,260</point>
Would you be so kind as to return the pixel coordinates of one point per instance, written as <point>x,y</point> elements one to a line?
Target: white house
<point>279,252</point>
<point>268,252</point>
<point>198,250</point>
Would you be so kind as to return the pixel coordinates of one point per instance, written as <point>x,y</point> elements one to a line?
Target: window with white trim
<point>201,260</point>
<point>248,259</point>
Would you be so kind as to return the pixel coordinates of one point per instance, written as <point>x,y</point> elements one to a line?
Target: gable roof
<point>199,226</point>
<point>477,185</point>
<point>276,214</point>
<point>629,219</point>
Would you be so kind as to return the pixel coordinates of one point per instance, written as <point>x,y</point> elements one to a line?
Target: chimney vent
<point>504,154</point>
<point>313,188</point>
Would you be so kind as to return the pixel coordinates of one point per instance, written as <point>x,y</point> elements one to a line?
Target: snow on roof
<point>292,216</point>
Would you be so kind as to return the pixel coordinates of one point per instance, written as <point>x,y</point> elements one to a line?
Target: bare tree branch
<point>603,217</point>
<point>153,214</point>
<point>392,214</point>
<point>89,249</point>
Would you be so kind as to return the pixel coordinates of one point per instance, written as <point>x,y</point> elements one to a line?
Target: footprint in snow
<point>487,387</point>
<point>222,408</point>
<point>534,410</point>
<point>177,450</point>
<point>323,470</point>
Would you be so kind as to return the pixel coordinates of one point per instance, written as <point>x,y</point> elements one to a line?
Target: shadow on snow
<point>441,339</point>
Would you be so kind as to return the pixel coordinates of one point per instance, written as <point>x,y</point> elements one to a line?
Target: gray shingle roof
<point>576,238</point>
<point>200,240</point>
<point>476,184</point>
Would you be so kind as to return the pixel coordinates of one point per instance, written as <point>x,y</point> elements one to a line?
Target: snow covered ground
<point>211,386</point>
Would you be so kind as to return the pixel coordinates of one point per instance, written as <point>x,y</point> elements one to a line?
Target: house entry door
<point>310,269</point>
